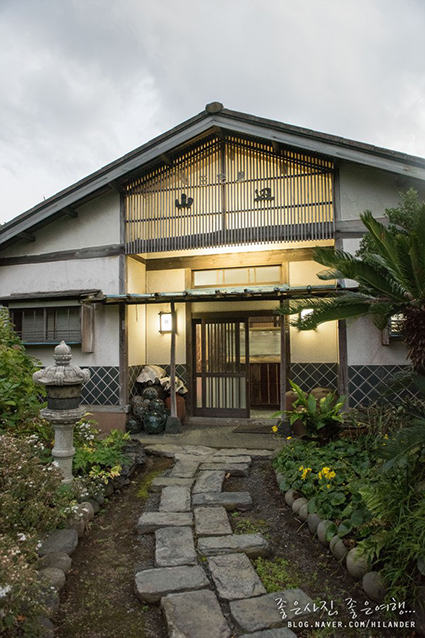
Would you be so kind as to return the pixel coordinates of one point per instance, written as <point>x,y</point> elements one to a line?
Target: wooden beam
<point>71,212</point>
<point>25,235</point>
<point>173,403</point>
<point>166,158</point>
<point>65,255</point>
<point>231,260</point>
<point>116,186</point>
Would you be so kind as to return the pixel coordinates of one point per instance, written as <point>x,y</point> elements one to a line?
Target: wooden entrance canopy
<point>259,293</point>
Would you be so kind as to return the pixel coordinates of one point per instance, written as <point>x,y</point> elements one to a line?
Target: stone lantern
<point>63,383</point>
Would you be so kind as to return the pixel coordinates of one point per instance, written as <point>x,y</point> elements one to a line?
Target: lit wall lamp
<point>304,313</point>
<point>165,322</point>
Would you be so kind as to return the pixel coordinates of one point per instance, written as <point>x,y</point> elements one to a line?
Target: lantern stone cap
<point>62,373</point>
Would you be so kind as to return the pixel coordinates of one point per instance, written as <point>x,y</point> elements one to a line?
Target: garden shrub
<point>100,459</point>
<point>32,503</point>
<point>19,395</point>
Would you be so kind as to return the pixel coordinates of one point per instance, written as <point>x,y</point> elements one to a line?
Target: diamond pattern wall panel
<point>133,373</point>
<point>367,383</point>
<point>312,375</point>
<point>103,388</point>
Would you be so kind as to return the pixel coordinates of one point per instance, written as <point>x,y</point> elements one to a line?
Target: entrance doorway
<point>236,364</point>
<point>220,367</point>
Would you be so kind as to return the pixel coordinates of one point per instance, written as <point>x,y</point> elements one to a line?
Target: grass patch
<point>145,483</point>
<point>276,574</point>
<point>247,526</point>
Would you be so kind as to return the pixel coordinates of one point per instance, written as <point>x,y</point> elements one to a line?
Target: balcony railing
<point>229,191</point>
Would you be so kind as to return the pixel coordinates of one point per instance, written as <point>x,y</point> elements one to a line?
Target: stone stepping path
<point>191,526</point>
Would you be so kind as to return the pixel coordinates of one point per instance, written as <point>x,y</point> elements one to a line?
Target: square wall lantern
<point>165,322</point>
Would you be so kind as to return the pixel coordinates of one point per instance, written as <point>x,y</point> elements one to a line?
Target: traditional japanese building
<point>214,220</point>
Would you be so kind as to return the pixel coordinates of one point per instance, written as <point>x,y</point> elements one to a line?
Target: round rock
<point>313,523</point>
<point>62,540</point>
<point>297,504</point>
<point>338,548</point>
<point>55,559</point>
<point>95,505</point>
<point>109,490</point>
<point>87,511</point>
<point>47,628</point>
<point>279,478</point>
<point>357,564</point>
<point>303,512</point>
<point>76,524</point>
<point>322,529</point>
<point>373,586</point>
<point>53,577</point>
<point>290,497</point>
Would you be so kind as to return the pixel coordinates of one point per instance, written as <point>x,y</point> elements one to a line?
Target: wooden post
<point>283,356</point>
<point>173,404</point>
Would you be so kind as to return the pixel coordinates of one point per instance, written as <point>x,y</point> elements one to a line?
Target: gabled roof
<point>214,116</point>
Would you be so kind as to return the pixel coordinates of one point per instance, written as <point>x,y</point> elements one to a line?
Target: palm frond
<point>384,241</point>
<point>331,312</point>
<point>364,273</point>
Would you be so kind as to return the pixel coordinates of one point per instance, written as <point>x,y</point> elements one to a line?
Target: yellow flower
<point>275,428</point>
<point>288,437</point>
<point>301,467</point>
<point>305,472</point>
<point>328,486</point>
<point>386,436</point>
<point>331,475</point>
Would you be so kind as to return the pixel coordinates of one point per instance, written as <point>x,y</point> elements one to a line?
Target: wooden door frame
<point>218,412</point>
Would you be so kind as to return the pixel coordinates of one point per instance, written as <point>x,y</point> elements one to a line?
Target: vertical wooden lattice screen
<point>230,191</point>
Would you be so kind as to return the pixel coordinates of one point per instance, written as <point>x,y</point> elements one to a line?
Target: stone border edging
<point>356,565</point>
<point>55,552</point>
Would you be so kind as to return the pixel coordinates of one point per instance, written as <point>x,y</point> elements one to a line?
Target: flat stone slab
<point>175,498</point>
<point>151,521</point>
<point>253,545</point>
<point>170,450</point>
<point>183,469</point>
<point>235,577</point>
<point>281,632</point>
<point>160,482</point>
<point>62,540</point>
<point>254,454</point>
<point>234,469</point>
<point>253,614</point>
<point>229,500</point>
<point>174,546</point>
<point>234,460</point>
<point>209,481</point>
<point>211,521</point>
<point>152,584</point>
<point>195,615</point>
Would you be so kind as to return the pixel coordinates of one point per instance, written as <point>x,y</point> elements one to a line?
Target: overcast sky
<point>85,81</point>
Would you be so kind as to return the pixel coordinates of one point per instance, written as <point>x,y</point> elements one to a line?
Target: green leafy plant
<point>19,396</point>
<point>320,417</point>
<point>102,459</point>
<point>391,278</point>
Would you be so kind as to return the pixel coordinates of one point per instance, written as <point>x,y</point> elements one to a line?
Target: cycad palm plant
<point>391,280</point>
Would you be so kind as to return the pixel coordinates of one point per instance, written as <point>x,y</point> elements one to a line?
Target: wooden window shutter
<point>87,328</point>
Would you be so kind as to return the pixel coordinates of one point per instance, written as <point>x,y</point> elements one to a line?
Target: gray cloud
<point>84,82</point>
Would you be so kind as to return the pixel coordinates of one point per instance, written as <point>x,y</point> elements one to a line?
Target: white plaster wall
<point>157,344</point>
<point>97,224</point>
<point>364,346</point>
<point>364,188</point>
<point>304,273</point>
<point>165,280</point>
<point>315,346</point>
<point>136,315</point>
<point>102,273</point>
<point>106,342</point>
<point>136,276</point>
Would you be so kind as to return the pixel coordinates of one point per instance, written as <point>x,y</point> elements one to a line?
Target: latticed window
<point>47,325</point>
<point>226,191</point>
